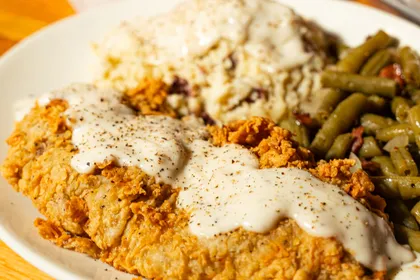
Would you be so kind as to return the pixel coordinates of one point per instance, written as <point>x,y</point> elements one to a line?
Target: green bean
<point>340,147</point>
<point>400,233</point>
<point>357,83</point>
<point>331,98</point>
<point>410,203</point>
<point>414,240</point>
<point>378,61</point>
<point>400,107</point>
<point>286,125</point>
<point>415,211</point>
<point>403,162</point>
<point>372,123</point>
<point>415,96</point>
<point>410,63</point>
<point>301,134</point>
<point>387,133</point>
<point>385,165</point>
<point>342,50</point>
<point>414,119</point>
<point>352,62</point>
<point>400,214</point>
<point>406,235</point>
<point>387,188</point>
<point>340,121</point>
<point>369,148</point>
<point>415,153</point>
<point>376,104</point>
<point>397,186</point>
<point>414,93</point>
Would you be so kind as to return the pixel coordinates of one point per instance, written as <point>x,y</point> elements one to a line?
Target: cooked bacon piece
<point>394,72</point>
<point>357,134</point>
<point>370,166</point>
<point>304,118</point>
<point>180,86</point>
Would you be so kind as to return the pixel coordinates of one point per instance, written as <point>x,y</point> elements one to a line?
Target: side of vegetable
<point>372,109</point>
<point>340,121</point>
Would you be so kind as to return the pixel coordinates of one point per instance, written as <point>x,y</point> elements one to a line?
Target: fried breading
<point>123,217</point>
<point>272,144</point>
<point>149,97</point>
<point>275,148</point>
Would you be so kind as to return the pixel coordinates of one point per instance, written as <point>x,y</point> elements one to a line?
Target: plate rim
<point>28,253</point>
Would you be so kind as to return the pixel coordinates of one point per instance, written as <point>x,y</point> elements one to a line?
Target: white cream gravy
<point>222,187</point>
<point>266,29</point>
<point>408,271</point>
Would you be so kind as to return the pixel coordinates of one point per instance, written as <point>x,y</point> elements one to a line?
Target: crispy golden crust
<point>275,148</point>
<point>123,217</point>
<point>150,98</point>
<point>272,144</point>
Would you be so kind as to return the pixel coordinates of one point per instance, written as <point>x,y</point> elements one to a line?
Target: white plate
<point>411,8</point>
<point>61,54</point>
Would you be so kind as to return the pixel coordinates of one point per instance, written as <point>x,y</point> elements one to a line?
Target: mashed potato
<point>226,59</point>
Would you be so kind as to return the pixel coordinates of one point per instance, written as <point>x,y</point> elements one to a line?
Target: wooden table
<point>18,19</point>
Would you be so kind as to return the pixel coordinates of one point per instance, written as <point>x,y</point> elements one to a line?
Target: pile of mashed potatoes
<point>226,59</point>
